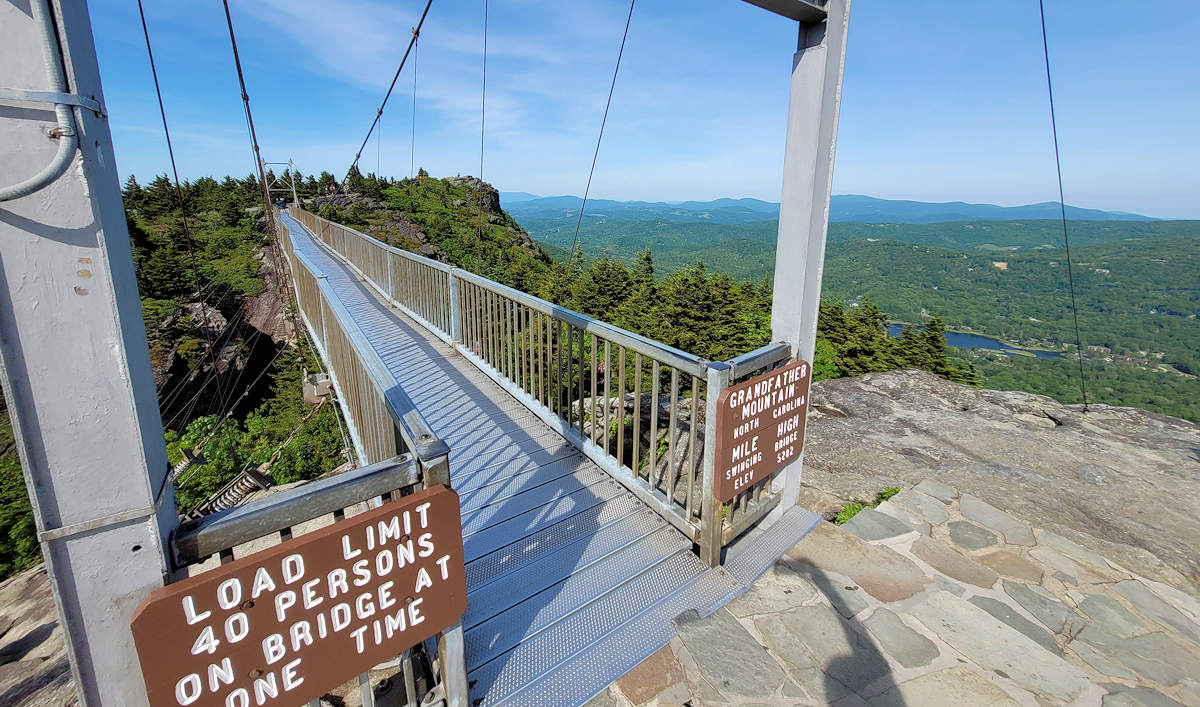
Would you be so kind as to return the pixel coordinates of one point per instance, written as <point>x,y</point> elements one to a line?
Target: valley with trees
<point>1137,282</point>
<point>229,361</point>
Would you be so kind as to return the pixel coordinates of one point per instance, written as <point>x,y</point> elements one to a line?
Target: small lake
<point>975,341</point>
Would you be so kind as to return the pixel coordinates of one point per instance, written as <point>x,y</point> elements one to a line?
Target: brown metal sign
<point>760,427</point>
<point>285,625</point>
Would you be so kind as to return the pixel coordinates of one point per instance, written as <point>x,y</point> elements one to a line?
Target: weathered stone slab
<point>969,536</point>
<point>871,525</point>
<point>1072,549</point>
<point>1014,531</point>
<point>927,507</point>
<point>1010,564</point>
<point>815,637</point>
<point>1056,560</point>
<point>1154,608</point>
<point>956,565</point>
<point>1138,697</point>
<point>915,522</point>
<point>728,655</point>
<point>1037,601</point>
<point>942,492</point>
<point>944,582</point>
<point>996,646</point>
<point>779,589</point>
<point>1110,614</point>
<point>899,641</point>
<point>952,687</point>
<point>880,571</point>
<point>1100,662</point>
<point>1156,657</point>
<point>1008,615</point>
<point>652,677</point>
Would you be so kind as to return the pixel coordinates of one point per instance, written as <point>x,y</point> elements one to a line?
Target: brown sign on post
<point>760,427</point>
<point>285,625</point>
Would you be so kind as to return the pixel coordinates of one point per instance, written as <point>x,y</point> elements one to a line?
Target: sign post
<point>760,427</point>
<point>286,625</point>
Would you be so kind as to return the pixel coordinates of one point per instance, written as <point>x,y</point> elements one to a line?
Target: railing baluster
<point>607,393</point>
<point>592,406</point>
<point>570,361</point>
<point>691,470</point>
<point>637,413</point>
<point>582,382</point>
<point>651,470</point>
<point>670,470</point>
<point>621,403</point>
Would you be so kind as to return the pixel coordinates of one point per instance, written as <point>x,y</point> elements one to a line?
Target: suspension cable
<point>183,212</point>
<point>607,105</point>
<point>387,95</point>
<point>412,146</point>
<point>482,120</point>
<point>258,162</point>
<point>1063,207</point>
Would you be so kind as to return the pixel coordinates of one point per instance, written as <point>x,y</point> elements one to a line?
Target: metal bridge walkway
<point>571,580</point>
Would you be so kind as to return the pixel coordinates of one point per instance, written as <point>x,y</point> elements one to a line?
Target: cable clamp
<point>52,97</point>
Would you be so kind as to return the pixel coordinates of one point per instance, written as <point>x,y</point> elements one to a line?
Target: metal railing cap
<point>196,540</point>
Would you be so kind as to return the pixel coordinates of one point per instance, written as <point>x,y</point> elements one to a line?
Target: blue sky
<point>943,100</point>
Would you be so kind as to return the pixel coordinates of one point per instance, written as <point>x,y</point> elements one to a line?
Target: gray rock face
<point>901,642</point>
<point>1006,614</point>
<point>969,536</point>
<point>1146,602</point>
<point>998,647</point>
<point>729,655</point>
<point>870,525</point>
<point>927,507</point>
<point>1022,454</point>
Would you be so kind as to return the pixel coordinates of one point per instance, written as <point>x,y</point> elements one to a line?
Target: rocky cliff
<point>1121,481</point>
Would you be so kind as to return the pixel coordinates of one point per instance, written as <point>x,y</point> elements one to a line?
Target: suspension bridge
<point>582,455</point>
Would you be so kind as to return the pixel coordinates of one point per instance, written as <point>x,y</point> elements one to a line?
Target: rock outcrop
<point>1121,481</point>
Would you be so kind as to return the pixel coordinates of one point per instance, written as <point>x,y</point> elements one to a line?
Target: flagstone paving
<point>940,599</point>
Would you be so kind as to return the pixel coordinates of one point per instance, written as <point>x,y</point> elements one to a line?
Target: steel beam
<point>799,10</point>
<point>78,381</point>
<point>807,182</point>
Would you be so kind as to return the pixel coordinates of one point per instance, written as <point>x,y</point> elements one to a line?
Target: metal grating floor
<point>571,580</point>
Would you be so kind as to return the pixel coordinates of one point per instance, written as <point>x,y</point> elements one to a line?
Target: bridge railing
<point>642,410</point>
<point>383,422</point>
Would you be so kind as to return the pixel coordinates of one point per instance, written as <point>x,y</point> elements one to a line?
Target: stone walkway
<point>934,598</point>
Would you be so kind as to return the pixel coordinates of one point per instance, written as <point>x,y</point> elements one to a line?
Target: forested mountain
<point>695,308</point>
<point>229,362</point>
<point>535,212</point>
<point>1137,282</point>
<point>747,250</point>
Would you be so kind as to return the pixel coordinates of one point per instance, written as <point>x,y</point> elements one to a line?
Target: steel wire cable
<point>386,96</point>
<point>1062,204</point>
<point>603,121</point>
<point>183,213</point>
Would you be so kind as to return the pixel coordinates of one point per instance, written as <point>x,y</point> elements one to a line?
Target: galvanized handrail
<point>385,422</point>
<point>198,540</point>
<point>760,358</point>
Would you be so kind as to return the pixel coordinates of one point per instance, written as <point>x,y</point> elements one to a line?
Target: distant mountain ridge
<point>843,207</point>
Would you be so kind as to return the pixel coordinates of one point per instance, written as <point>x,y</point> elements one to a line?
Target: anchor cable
<point>1063,208</point>
<point>607,105</point>
<point>183,212</point>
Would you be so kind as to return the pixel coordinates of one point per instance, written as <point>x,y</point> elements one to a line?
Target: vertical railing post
<point>711,522</point>
<point>434,457</point>
<point>454,313</point>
